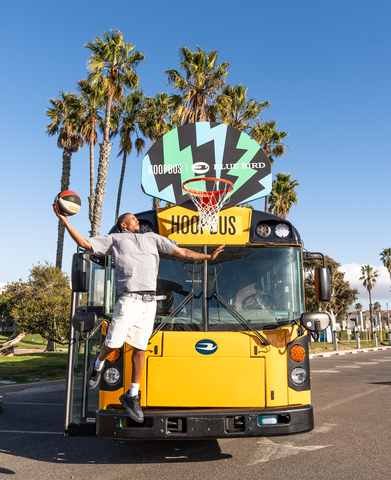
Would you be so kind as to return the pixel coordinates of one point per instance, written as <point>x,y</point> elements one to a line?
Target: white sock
<point>99,365</point>
<point>133,391</point>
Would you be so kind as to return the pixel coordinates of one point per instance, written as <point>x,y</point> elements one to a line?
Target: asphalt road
<point>351,439</point>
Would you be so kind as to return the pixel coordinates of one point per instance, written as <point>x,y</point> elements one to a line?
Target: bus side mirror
<point>315,322</point>
<point>84,321</point>
<point>322,284</point>
<point>80,272</point>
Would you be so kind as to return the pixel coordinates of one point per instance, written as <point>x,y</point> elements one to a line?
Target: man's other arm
<point>190,255</point>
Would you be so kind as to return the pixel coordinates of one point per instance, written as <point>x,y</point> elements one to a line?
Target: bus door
<point>92,297</point>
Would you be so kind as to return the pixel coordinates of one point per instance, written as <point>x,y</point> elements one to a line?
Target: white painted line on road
<point>325,371</point>
<point>367,363</point>
<point>347,366</point>
<point>341,353</point>
<point>270,450</point>
<point>27,431</point>
<point>20,403</point>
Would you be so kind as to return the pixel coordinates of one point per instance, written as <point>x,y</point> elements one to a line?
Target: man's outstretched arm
<point>190,255</point>
<point>81,241</point>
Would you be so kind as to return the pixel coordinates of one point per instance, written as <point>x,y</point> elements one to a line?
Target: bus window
<point>176,280</point>
<point>261,285</point>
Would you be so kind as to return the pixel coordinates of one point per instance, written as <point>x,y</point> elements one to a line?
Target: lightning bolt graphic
<point>205,133</point>
<point>173,155</point>
<point>244,174</point>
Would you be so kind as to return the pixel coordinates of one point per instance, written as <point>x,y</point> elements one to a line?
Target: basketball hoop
<point>209,195</point>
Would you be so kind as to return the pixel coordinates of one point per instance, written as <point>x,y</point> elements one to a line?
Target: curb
<point>37,386</point>
<point>348,352</point>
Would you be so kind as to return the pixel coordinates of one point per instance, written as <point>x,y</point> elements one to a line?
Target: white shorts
<point>132,323</point>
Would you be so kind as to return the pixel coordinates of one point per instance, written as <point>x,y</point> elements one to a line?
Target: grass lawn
<point>33,367</point>
<point>29,341</point>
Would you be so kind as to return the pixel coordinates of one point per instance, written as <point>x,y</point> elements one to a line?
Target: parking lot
<point>351,439</point>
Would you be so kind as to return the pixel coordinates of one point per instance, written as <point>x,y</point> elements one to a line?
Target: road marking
<point>368,363</point>
<point>20,403</point>
<point>270,450</point>
<point>325,371</point>
<point>347,366</point>
<point>27,431</point>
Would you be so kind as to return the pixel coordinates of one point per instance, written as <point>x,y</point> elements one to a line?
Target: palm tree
<point>283,195</point>
<point>377,306</point>
<point>128,117</point>
<point>385,257</point>
<point>111,65</point>
<point>358,306</point>
<point>270,139</point>
<point>236,110</point>
<point>369,278</point>
<point>63,123</point>
<point>200,85</point>
<point>91,100</point>
<point>155,121</point>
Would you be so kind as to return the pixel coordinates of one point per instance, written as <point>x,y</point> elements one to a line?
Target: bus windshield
<point>260,283</point>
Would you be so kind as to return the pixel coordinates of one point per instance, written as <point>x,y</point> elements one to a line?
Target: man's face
<point>130,224</point>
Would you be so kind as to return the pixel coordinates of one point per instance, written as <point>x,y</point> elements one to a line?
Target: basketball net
<point>209,195</point>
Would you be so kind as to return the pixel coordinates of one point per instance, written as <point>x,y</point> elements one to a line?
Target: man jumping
<point>136,258</point>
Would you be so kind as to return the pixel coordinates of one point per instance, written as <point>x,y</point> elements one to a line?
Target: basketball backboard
<point>206,149</point>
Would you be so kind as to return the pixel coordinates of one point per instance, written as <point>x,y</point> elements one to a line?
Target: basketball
<point>68,203</point>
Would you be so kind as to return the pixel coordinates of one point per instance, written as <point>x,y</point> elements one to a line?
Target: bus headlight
<point>299,376</point>
<point>111,376</point>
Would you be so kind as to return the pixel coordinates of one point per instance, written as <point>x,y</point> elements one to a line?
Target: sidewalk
<point>347,352</point>
<point>32,387</point>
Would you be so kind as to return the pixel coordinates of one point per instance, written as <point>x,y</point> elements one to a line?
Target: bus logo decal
<point>206,347</point>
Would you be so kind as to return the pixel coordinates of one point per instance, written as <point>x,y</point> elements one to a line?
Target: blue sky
<point>324,67</point>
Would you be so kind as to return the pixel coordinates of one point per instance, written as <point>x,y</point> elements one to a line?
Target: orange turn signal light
<point>114,355</point>
<point>297,353</point>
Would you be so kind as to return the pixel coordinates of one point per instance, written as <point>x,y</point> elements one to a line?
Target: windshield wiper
<point>239,318</point>
<point>172,315</point>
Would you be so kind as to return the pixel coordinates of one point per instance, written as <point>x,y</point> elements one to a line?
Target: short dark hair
<point>121,218</point>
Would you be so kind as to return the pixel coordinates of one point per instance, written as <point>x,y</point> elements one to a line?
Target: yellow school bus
<point>229,353</point>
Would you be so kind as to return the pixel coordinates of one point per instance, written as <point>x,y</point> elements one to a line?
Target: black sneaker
<point>132,407</point>
<point>93,375</point>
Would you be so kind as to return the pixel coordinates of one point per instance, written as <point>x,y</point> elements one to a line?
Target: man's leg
<point>138,361</point>
<point>131,399</point>
<point>139,336</point>
<point>105,352</point>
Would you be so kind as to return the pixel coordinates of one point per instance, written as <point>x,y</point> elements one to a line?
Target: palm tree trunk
<point>65,176</point>
<point>91,198</point>
<point>100,190</point>
<point>107,118</point>
<point>121,182</point>
<point>266,203</point>
<point>155,203</point>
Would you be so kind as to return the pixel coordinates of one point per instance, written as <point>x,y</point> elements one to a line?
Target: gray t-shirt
<point>136,258</point>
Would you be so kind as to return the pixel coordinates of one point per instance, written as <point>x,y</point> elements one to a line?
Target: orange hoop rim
<point>200,193</point>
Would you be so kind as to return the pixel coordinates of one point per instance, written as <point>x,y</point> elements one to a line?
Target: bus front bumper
<point>205,423</point>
